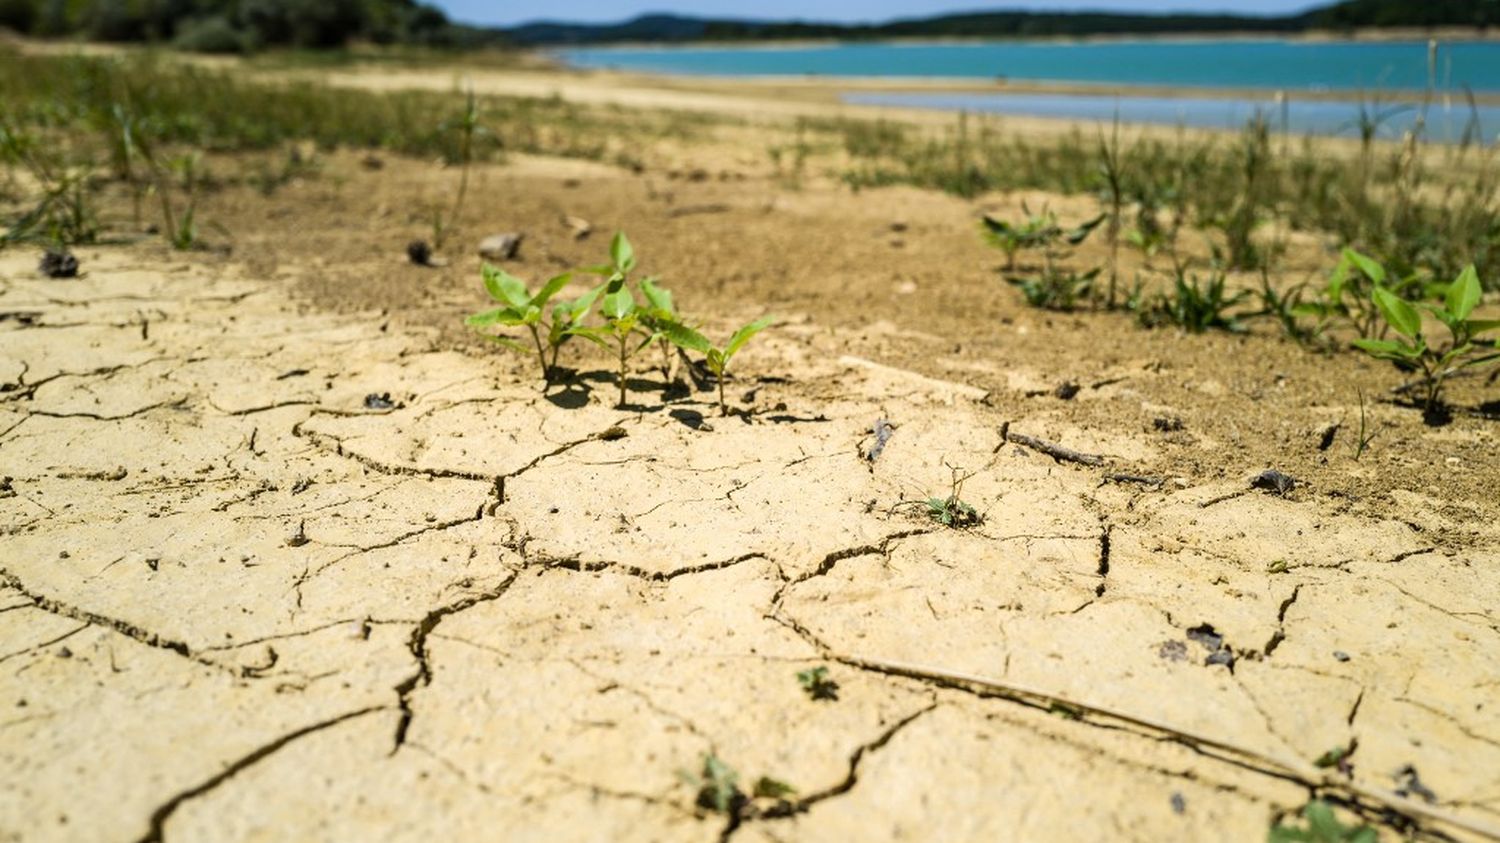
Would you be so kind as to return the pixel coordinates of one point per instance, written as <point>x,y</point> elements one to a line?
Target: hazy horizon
<point>838,11</point>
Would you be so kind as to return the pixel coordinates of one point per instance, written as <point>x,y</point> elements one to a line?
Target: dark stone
<point>1272,480</point>
<point>59,264</point>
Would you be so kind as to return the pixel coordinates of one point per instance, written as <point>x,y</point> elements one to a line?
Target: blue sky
<point>506,12</point>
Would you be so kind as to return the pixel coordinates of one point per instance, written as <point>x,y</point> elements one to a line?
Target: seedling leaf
<point>617,305</point>
<point>769,788</point>
<point>1389,349</point>
<point>550,289</point>
<point>498,316</point>
<point>621,253</point>
<point>1464,294</point>
<point>1398,312</point>
<point>1372,269</point>
<point>1322,827</point>
<point>504,287</point>
<point>660,298</point>
<point>687,338</point>
<point>743,336</point>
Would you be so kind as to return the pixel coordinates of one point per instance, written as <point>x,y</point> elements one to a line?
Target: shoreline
<point>837,86</point>
<point>1399,35</point>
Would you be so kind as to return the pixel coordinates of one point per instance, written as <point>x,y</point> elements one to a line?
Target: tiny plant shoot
<point>1322,827</point>
<point>627,328</point>
<point>467,126</point>
<point>952,511</point>
<point>521,308</point>
<point>1410,348</point>
<point>718,356</point>
<point>816,683</point>
<point>658,315</point>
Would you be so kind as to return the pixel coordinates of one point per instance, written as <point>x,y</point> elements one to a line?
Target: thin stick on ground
<point>1298,771</point>
<point>1057,452</point>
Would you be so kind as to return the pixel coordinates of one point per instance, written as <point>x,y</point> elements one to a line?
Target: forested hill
<point>244,25</point>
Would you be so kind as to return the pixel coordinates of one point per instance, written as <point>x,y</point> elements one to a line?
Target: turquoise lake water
<point>1289,65</point>
<point>1363,71</point>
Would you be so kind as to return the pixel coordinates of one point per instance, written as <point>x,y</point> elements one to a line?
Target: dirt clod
<point>1274,481</point>
<point>58,264</point>
<point>501,247</point>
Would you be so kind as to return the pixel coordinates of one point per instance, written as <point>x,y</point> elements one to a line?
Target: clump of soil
<point>58,263</point>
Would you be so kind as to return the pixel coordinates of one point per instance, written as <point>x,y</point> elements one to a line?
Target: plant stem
<point>463,188</point>
<point>541,356</point>
<point>723,407</point>
<point>623,341</point>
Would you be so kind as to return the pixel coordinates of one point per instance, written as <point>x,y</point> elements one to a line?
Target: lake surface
<point>1442,122</point>
<point>1272,64</point>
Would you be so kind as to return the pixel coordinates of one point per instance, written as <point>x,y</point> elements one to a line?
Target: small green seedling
<point>1335,758</point>
<point>1411,350</point>
<point>1037,231</point>
<point>1366,436</point>
<point>951,511</point>
<point>717,787</point>
<point>1348,297</point>
<point>522,308</point>
<point>624,331</point>
<point>718,357</point>
<point>467,127</point>
<point>1195,305</point>
<point>186,167</point>
<point>659,313</point>
<point>1322,827</point>
<point>816,683</point>
<point>1056,289</point>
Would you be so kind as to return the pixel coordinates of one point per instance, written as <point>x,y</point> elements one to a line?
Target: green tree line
<point>236,25</point>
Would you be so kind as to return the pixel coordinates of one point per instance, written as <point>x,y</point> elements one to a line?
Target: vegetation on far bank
<point>233,26</point>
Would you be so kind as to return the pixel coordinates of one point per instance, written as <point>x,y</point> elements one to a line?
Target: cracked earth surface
<point>237,605</point>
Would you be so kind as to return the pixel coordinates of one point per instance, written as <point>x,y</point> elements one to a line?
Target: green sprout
<point>522,308</point>
<point>1411,350</point>
<point>951,511</point>
<point>1037,231</point>
<point>624,331</point>
<point>1195,305</point>
<point>657,316</point>
<point>718,357</point>
<point>717,787</point>
<point>467,127</point>
<point>1322,827</point>
<point>816,683</point>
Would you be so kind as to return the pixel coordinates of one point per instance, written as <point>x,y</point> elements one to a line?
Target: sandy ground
<point>240,600</point>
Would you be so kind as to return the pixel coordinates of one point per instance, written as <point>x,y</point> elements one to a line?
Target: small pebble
<point>1341,655</point>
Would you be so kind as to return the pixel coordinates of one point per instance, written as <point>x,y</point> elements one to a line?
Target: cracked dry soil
<point>237,605</point>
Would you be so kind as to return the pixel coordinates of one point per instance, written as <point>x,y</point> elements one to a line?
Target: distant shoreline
<point>1394,35</point>
<point>831,83</point>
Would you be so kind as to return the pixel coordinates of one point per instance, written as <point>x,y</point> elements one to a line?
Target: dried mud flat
<point>236,604</point>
